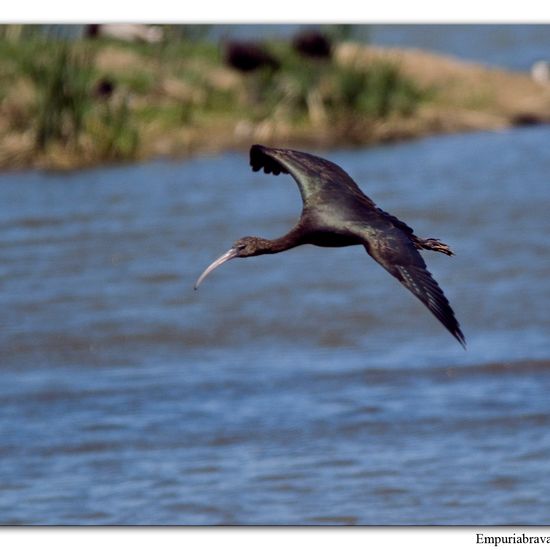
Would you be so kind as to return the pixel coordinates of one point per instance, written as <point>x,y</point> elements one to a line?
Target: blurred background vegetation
<point>81,94</point>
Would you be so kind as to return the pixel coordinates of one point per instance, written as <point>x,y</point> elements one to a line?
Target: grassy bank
<point>66,104</point>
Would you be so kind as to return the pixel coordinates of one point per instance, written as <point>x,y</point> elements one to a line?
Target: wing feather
<point>421,283</point>
<point>395,252</point>
<point>316,177</point>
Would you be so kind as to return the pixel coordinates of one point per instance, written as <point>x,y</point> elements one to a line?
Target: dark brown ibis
<point>247,57</point>
<point>313,44</point>
<point>337,213</point>
<point>103,89</point>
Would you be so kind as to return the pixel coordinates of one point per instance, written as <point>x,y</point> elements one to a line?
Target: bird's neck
<point>294,237</point>
<point>273,246</point>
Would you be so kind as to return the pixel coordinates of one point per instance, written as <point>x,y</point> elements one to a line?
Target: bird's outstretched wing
<point>395,252</point>
<point>317,178</point>
<point>387,239</point>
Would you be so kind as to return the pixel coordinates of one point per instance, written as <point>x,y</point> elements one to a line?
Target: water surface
<point>303,388</point>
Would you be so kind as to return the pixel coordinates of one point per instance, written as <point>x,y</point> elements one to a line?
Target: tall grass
<point>65,111</point>
<point>114,135</point>
<point>62,76</point>
<point>376,91</point>
<point>176,90</point>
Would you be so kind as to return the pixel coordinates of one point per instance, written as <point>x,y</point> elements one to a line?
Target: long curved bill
<point>229,255</point>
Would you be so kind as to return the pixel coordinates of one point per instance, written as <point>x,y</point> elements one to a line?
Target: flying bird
<point>337,213</point>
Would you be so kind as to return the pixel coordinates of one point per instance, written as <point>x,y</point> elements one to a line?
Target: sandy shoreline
<point>466,97</point>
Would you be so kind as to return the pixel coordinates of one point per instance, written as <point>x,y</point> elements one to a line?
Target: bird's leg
<point>433,244</point>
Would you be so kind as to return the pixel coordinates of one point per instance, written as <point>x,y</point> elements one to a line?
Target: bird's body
<point>247,57</point>
<point>337,213</point>
<point>312,44</point>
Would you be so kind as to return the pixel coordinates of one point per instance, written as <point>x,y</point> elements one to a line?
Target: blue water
<point>307,387</point>
<point>514,47</point>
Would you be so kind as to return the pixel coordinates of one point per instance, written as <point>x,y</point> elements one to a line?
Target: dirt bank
<point>462,96</point>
